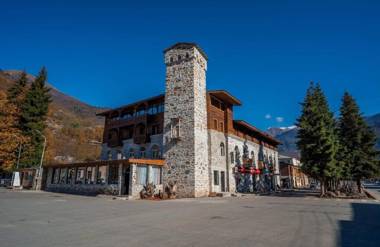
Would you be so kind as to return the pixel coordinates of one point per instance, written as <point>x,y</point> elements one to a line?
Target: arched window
<point>156,152</point>
<point>253,158</point>
<point>232,157</point>
<point>131,153</point>
<point>222,149</point>
<point>237,155</point>
<point>142,152</point>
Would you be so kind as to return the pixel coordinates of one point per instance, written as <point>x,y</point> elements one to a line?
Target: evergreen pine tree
<point>34,111</point>
<point>360,156</point>
<point>16,92</point>
<point>350,131</point>
<point>368,164</point>
<point>317,139</point>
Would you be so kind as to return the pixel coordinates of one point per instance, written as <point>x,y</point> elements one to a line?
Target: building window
<point>232,156</point>
<point>175,128</point>
<point>215,102</point>
<point>141,172</point>
<point>70,175</point>
<point>155,152</point>
<point>216,177</point>
<point>109,155</point>
<point>113,175</point>
<point>90,175</point>
<point>140,129</point>
<point>221,126</point>
<point>119,155</point>
<point>131,153</point>
<point>142,152</point>
<point>140,111</point>
<point>81,175</point>
<point>63,176</point>
<point>215,124</point>
<point>156,175</point>
<point>101,176</point>
<point>55,178</point>
<point>222,149</point>
<point>155,129</point>
<point>237,155</point>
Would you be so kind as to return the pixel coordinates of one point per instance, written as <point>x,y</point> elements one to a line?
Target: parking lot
<point>47,219</point>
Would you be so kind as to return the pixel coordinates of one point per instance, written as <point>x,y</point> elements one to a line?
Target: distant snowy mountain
<point>274,131</point>
<point>288,136</point>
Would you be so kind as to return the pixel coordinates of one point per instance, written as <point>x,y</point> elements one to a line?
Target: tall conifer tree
<point>360,156</point>
<point>16,92</point>
<point>317,140</point>
<point>34,111</point>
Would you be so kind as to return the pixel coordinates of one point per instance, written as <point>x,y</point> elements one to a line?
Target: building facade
<point>291,173</point>
<point>192,132</point>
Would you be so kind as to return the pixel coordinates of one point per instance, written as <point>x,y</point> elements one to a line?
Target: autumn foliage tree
<point>11,137</point>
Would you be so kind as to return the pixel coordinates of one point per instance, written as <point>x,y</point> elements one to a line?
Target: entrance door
<point>126,179</point>
<point>222,181</point>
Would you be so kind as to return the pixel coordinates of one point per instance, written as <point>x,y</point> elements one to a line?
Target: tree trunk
<point>323,188</point>
<point>359,184</point>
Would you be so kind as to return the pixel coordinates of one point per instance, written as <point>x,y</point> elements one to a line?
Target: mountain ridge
<point>288,136</point>
<point>72,125</point>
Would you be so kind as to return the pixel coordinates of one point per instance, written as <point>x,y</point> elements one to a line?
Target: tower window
<point>179,57</point>
<point>175,128</point>
<point>171,59</point>
<point>187,55</point>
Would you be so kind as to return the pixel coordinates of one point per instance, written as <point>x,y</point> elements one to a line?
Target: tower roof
<point>186,45</point>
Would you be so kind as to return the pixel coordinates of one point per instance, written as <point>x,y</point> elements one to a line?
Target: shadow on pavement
<point>294,193</point>
<point>363,229</point>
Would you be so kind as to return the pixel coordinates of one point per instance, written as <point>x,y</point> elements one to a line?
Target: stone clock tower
<point>185,120</point>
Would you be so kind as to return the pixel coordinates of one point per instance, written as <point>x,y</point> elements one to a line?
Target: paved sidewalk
<point>49,219</point>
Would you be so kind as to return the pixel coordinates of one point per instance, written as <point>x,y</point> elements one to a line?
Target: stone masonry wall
<point>216,160</point>
<point>185,99</point>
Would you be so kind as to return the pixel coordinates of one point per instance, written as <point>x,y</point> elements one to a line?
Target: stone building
<point>187,137</point>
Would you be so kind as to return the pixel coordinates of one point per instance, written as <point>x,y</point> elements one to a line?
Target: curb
<point>370,195</point>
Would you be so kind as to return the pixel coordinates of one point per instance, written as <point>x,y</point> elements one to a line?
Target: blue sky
<point>109,53</point>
